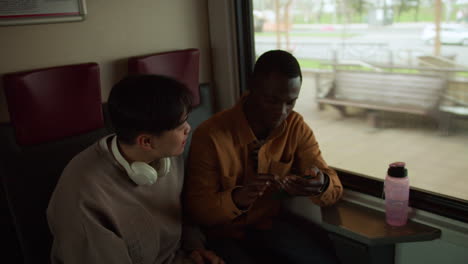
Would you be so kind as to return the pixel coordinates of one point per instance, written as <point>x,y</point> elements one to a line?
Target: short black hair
<point>147,104</point>
<point>277,61</point>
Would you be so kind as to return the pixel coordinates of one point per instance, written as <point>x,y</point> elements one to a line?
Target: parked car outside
<point>449,34</point>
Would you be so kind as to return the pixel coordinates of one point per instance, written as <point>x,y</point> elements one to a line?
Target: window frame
<point>421,199</point>
<point>245,41</point>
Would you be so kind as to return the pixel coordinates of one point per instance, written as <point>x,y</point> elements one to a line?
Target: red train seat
<point>55,113</point>
<point>182,65</point>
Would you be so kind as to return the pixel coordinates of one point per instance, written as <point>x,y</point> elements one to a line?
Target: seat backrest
<point>182,65</point>
<point>11,252</point>
<point>55,114</point>
<point>396,89</point>
<point>200,113</point>
<point>54,102</point>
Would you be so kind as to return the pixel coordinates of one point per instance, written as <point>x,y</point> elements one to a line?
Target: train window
<point>374,90</point>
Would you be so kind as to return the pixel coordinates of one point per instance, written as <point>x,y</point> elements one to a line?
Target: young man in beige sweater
<point>118,201</point>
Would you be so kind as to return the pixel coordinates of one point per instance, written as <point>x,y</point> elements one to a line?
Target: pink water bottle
<point>396,188</point>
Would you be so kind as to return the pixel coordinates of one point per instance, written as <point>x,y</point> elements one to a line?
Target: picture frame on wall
<point>24,12</point>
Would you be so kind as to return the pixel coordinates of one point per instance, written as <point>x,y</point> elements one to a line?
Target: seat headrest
<point>54,103</point>
<point>182,65</point>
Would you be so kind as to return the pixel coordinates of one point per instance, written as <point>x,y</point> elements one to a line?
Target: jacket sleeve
<point>206,201</point>
<point>308,155</point>
<point>86,241</point>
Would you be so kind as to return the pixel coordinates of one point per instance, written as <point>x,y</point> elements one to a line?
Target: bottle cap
<point>397,169</point>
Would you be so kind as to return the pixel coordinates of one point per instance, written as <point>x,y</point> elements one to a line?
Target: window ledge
<point>453,231</point>
<point>368,226</point>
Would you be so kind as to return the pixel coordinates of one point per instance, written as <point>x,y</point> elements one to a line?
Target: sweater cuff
<point>326,183</point>
<point>326,191</point>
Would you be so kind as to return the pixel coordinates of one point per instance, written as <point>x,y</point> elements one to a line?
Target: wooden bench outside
<point>417,94</point>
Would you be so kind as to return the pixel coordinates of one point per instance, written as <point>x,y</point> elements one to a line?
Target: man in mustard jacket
<point>245,158</point>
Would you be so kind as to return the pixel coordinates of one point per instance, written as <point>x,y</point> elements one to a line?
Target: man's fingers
<point>256,187</point>
<point>258,183</point>
<point>253,193</point>
<point>278,184</point>
<point>312,190</point>
<point>293,191</point>
<point>290,187</point>
<point>314,182</point>
<point>298,189</point>
<point>299,184</point>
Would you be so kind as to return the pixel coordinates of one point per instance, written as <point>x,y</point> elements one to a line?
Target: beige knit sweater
<point>97,214</point>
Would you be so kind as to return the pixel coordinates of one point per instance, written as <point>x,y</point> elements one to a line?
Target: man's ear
<point>144,141</point>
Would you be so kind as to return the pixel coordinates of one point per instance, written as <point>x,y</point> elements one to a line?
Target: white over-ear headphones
<point>140,172</point>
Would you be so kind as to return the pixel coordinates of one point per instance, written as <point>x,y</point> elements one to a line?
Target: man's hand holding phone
<point>311,183</point>
<point>246,195</point>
